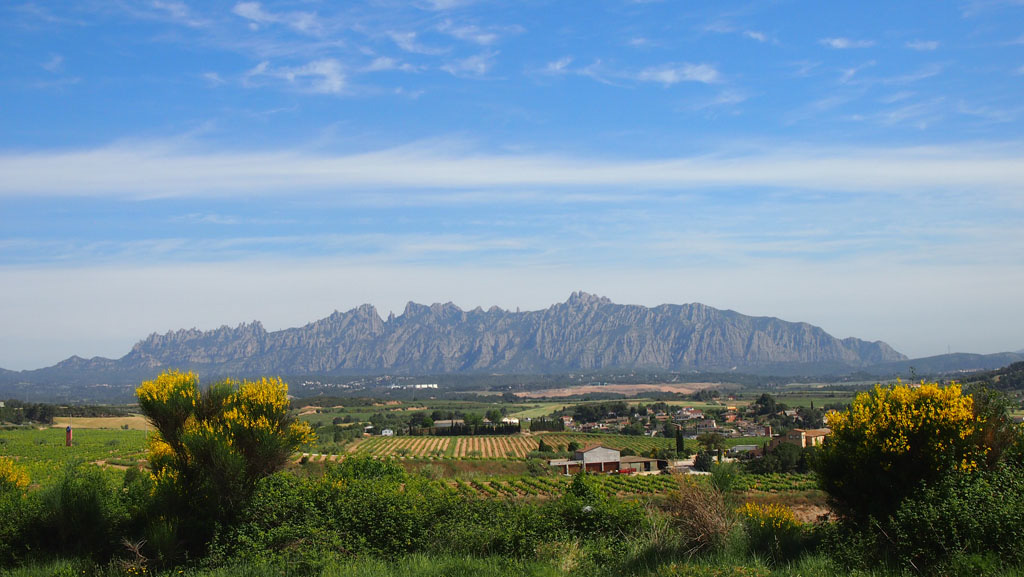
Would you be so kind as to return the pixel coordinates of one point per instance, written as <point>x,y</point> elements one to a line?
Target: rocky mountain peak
<point>586,332</point>
<point>583,298</point>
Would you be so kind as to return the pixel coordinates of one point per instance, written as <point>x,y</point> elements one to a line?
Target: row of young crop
<point>482,446</point>
<point>527,486</point>
<point>617,485</point>
<point>515,447</point>
<point>498,446</point>
<point>776,482</point>
<point>401,446</point>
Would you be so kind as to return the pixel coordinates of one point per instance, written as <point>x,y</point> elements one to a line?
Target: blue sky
<point>170,164</point>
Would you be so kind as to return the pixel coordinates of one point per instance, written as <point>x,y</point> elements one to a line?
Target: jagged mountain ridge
<point>584,333</point>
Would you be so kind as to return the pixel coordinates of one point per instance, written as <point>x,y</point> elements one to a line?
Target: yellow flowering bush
<point>772,530</point>
<point>210,447</point>
<point>892,439</point>
<point>12,477</point>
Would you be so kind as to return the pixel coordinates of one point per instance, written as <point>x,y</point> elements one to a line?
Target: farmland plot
<point>528,486</point>
<point>639,445</point>
<point>401,446</point>
<point>495,446</point>
<point>43,454</point>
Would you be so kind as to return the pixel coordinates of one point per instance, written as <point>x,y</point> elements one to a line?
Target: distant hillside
<point>585,333</point>
<point>949,364</point>
<point>1010,377</point>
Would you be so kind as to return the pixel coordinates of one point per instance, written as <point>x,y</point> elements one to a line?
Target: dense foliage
<point>926,478</point>
<point>217,505</point>
<point>211,447</point>
<point>891,440</point>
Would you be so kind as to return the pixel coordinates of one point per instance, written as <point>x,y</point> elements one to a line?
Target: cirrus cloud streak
<point>142,170</point>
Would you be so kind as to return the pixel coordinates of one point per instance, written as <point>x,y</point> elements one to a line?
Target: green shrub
<point>211,447</point>
<point>703,461</point>
<point>962,517</point>
<point>284,519</point>
<point>724,476</point>
<point>366,467</point>
<point>772,532</point>
<point>81,514</point>
<point>892,439</point>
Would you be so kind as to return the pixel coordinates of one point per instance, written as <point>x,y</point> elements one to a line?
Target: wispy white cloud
<point>755,35</point>
<point>989,113</point>
<point>666,74</point>
<point>921,114</point>
<point>722,27</point>
<point>305,22</point>
<point>840,43</point>
<point>180,13</point>
<point>320,76</point>
<point>896,97</point>
<point>159,169</point>
<point>974,7</point>
<point>804,68</point>
<point>213,78</point>
<point>408,41</point>
<point>849,73</point>
<point>923,45</point>
<point>669,74</point>
<point>54,64</point>
<point>560,66</point>
<point>440,5</point>
<point>854,76</point>
<point>476,34</point>
<point>726,98</point>
<point>381,64</point>
<point>207,218</point>
<point>476,65</point>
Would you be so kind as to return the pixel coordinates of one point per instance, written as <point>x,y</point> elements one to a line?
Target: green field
<point>514,446</point>
<point>42,452</point>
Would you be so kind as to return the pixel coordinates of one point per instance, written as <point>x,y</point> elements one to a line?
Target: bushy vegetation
<point>216,502</point>
<point>211,448</point>
<point>925,478</point>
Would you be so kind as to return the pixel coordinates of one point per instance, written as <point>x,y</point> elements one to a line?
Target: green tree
<point>893,439</point>
<point>210,448</point>
<point>766,405</point>
<point>669,430</point>
<point>703,461</point>
<point>712,443</point>
<point>572,447</point>
<point>473,420</point>
<point>494,416</point>
<point>680,443</point>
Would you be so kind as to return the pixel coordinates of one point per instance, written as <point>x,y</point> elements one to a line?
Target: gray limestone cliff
<point>585,333</point>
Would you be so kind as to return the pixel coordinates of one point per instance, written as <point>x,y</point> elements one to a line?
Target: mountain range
<point>585,333</point>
